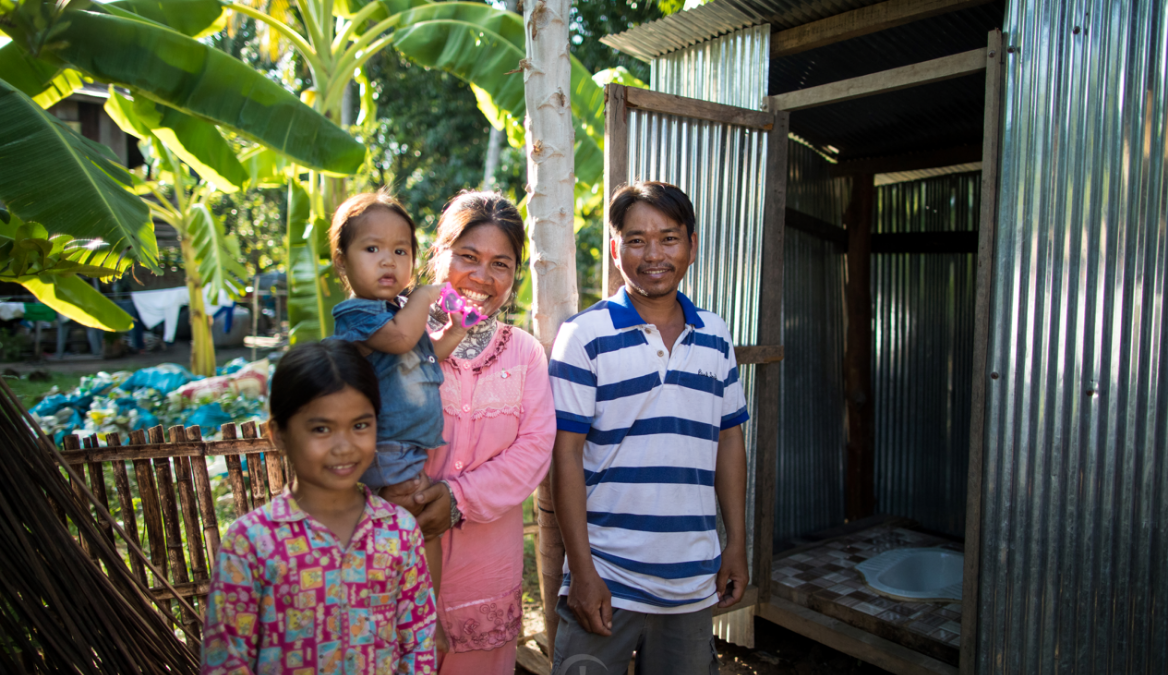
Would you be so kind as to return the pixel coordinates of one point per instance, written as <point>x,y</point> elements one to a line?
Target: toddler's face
<point>379,261</point>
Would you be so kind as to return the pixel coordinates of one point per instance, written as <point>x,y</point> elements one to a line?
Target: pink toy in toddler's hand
<point>453,303</point>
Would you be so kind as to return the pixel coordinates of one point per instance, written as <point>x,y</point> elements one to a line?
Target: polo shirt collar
<point>625,315</point>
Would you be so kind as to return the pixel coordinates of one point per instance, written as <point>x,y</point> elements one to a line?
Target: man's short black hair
<point>666,198</point>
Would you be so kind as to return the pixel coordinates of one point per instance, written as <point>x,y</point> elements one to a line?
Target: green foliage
<point>313,287</point>
<point>217,253</point>
<point>76,299</point>
<point>71,185</point>
<point>12,346</point>
<point>591,21</point>
<point>198,80</point>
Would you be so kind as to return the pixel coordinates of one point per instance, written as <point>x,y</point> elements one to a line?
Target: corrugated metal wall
<point>733,69</point>
<point>723,170</point>
<point>809,488</point>
<point>923,354</point>
<point>1074,565</point>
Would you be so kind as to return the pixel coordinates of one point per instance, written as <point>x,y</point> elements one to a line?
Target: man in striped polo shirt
<point>649,443</point>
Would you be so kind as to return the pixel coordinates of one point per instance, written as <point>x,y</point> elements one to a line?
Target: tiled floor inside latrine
<point>824,578</point>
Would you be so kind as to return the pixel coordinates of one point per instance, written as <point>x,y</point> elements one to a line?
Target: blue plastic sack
<point>72,424</point>
<point>233,366</point>
<point>208,418</point>
<point>51,404</point>
<point>163,378</point>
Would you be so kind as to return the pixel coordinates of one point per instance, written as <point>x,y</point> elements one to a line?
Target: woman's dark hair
<point>353,210</point>
<point>666,198</point>
<point>310,371</point>
<point>469,210</point>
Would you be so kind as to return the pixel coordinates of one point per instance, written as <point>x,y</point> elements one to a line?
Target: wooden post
<point>256,470</point>
<point>170,525</point>
<point>860,483</point>
<point>151,512</point>
<point>770,332</point>
<point>987,232</point>
<point>188,508</point>
<point>126,502</point>
<point>616,172</point>
<point>71,442</point>
<point>97,487</point>
<point>235,474</point>
<point>205,499</point>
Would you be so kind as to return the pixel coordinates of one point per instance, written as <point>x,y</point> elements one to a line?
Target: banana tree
<point>71,186</point>
<point>180,143</point>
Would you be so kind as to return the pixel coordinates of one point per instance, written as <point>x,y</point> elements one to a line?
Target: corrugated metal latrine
<point>723,170</point>
<point>923,354</point>
<point>809,482</point>
<point>1074,565</point>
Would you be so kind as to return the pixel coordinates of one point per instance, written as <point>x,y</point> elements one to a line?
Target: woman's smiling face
<point>481,267</point>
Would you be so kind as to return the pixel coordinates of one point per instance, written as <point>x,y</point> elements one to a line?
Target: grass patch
<point>29,392</point>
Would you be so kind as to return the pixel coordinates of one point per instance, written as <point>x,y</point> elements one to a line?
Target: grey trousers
<point>666,644</point>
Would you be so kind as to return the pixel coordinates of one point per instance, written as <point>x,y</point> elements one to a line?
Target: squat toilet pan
<point>915,573</point>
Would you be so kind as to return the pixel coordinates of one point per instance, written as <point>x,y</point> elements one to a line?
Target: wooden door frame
<point>989,59</point>
<point>767,354</point>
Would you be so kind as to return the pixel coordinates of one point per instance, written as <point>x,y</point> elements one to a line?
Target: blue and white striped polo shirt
<point>652,421</point>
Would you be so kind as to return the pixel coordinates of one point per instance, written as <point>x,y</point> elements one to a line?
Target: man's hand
<point>732,576</point>
<point>591,602</point>
<point>435,516</point>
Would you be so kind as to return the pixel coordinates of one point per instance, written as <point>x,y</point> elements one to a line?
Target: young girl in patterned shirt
<point>327,577</point>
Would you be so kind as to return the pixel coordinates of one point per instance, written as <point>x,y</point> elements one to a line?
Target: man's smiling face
<point>652,251</point>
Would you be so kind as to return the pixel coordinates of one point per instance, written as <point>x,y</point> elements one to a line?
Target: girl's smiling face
<point>330,442</point>
<point>481,267</point>
<point>379,261</point>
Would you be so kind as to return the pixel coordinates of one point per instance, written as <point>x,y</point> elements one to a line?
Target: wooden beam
<point>655,101</point>
<point>860,469</point>
<point>770,332</point>
<point>616,173</point>
<point>820,229</point>
<point>758,354</point>
<point>987,229</point>
<point>932,159</point>
<point>925,242</point>
<point>851,640</point>
<point>858,22</point>
<point>749,598</point>
<point>915,75</point>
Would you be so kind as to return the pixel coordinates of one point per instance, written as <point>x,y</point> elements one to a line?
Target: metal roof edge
<point>686,28</point>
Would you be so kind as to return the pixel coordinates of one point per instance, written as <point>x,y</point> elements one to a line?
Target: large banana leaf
<point>196,18</point>
<point>196,142</point>
<point>481,45</point>
<point>178,71</point>
<point>41,80</point>
<point>313,286</point>
<point>76,299</point>
<point>217,252</point>
<point>51,175</point>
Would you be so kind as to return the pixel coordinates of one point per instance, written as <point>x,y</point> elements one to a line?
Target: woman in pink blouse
<point>499,429</point>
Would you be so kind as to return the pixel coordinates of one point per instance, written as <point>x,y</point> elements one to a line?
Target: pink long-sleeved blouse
<point>286,598</point>
<point>499,429</point>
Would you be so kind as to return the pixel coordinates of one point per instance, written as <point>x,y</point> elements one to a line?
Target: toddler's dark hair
<point>354,209</point>
<point>318,369</point>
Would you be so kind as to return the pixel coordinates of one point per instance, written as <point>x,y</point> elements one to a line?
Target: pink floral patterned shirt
<point>287,599</point>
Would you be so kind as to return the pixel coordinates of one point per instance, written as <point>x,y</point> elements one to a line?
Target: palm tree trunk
<point>551,180</point>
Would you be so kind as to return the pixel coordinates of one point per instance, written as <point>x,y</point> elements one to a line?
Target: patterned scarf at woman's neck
<point>476,340</point>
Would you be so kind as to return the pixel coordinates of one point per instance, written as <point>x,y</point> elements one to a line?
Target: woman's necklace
<point>476,340</point>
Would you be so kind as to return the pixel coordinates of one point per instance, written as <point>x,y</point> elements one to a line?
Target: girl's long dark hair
<point>310,371</point>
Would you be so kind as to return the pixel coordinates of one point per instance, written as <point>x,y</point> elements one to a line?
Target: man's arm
<point>730,486</point>
<point>401,333</point>
<point>588,596</point>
